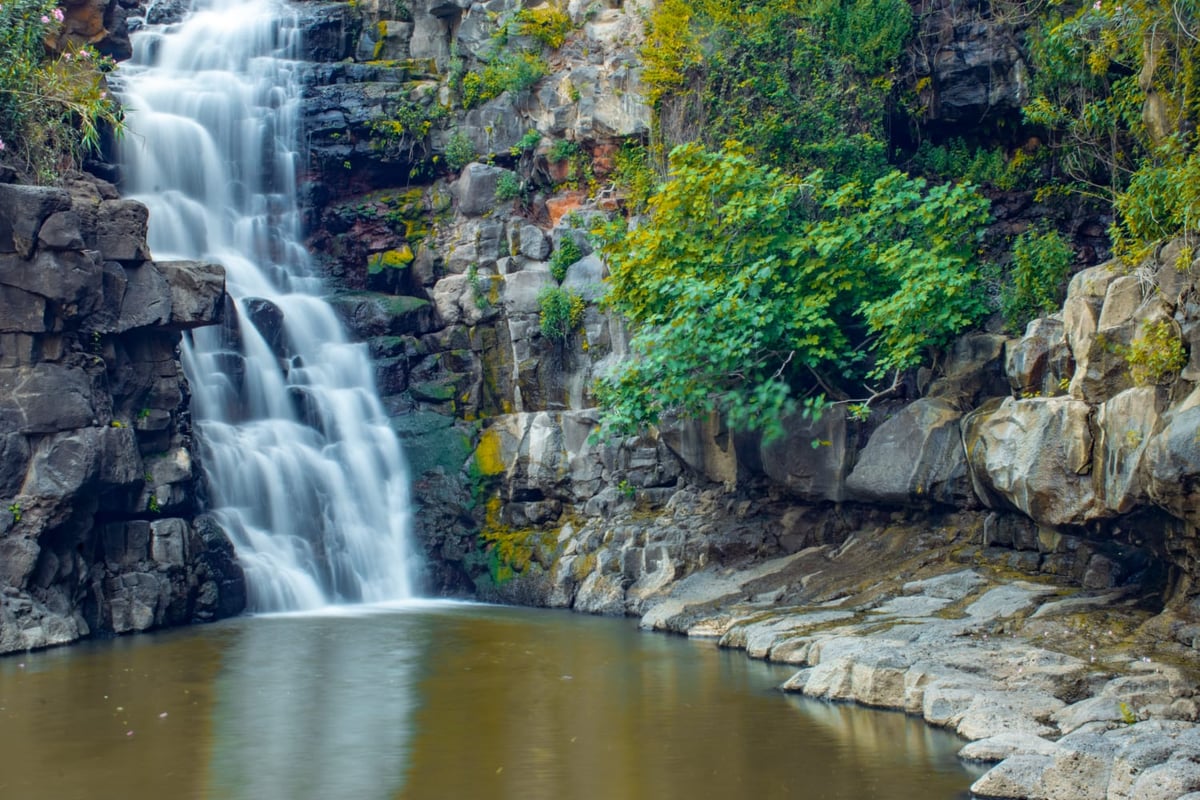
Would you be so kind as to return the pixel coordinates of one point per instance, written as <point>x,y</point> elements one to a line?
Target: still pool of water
<point>441,702</point>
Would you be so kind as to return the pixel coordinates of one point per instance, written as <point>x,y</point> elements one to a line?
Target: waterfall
<point>301,466</point>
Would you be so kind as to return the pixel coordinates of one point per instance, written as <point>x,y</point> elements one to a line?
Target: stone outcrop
<point>98,525</point>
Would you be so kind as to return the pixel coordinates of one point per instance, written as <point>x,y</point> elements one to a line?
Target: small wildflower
<point>1,145</point>
<point>1097,5</point>
<point>58,15</point>
<point>45,20</point>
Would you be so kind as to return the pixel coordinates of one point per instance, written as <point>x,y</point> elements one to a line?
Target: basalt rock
<point>97,487</point>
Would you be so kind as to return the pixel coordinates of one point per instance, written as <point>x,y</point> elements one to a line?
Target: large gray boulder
<point>812,457</point>
<point>1172,466</point>
<point>1035,456</point>
<point>197,293</point>
<point>475,189</point>
<point>915,456</point>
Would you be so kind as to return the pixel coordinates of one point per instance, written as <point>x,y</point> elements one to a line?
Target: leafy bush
<point>547,24</point>
<point>510,72</point>
<point>955,160</point>
<point>561,312</point>
<point>459,151</point>
<point>633,173</point>
<point>792,79</point>
<point>508,187</point>
<point>1040,266</point>
<point>53,106</point>
<point>566,254</point>
<point>563,150</point>
<point>745,286</point>
<point>1157,355</point>
<point>1115,87</point>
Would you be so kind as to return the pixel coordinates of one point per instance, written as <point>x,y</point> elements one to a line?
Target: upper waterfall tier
<point>301,465</point>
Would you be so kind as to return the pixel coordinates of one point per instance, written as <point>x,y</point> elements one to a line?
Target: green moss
<point>399,258</point>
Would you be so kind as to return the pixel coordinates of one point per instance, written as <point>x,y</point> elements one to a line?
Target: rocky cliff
<point>99,529</point>
<point>1051,438</point>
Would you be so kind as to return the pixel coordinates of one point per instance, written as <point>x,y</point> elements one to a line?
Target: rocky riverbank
<point>1069,692</point>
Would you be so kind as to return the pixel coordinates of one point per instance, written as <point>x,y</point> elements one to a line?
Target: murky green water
<point>441,702</point>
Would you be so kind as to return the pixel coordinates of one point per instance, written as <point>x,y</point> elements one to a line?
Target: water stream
<point>301,466</point>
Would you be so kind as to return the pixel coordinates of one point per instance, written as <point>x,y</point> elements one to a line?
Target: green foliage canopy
<point>747,286</point>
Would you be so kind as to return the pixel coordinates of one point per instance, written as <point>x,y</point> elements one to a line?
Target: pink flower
<point>45,20</point>
<point>1097,5</point>
<point>58,14</point>
<point>1,145</point>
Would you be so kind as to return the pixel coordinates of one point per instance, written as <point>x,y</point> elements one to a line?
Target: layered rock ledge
<point>99,524</point>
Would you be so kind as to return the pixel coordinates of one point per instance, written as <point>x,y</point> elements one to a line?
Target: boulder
<point>811,459</point>
<point>267,319</point>
<point>14,458</point>
<point>532,243</point>
<point>915,456</point>
<point>1035,456</point>
<point>120,231</point>
<point>475,189</point>
<point>1171,466</point>
<point>70,284</point>
<point>147,299</point>
<point>23,210</point>
<point>1038,362</point>
<point>1125,424</point>
<point>197,293</point>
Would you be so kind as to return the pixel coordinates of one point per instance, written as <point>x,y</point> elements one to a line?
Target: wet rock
<point>267,319</point>
<point>197,293</point>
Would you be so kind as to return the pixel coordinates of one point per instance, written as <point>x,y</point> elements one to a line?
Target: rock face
<point>98,525</point>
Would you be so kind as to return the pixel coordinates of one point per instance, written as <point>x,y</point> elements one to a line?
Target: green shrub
<point>1157,355</point>
<point>804,83</point>
<point>547,24</point>
<point>52,106</point>
<point>508,187</point>
<point>561,312</point>
<point>566,254</point>
<point>510,72</point>
<point>563,150</point>
<point>460,151</point>
<point>1040,266</point>
<point>528,142</point>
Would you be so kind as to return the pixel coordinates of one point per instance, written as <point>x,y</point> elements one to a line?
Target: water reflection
<point>439,702</point>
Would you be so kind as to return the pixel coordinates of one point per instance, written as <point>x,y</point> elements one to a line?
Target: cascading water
<point>302,469</point>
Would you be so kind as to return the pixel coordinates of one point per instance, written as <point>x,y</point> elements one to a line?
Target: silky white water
<point>301,466</point>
